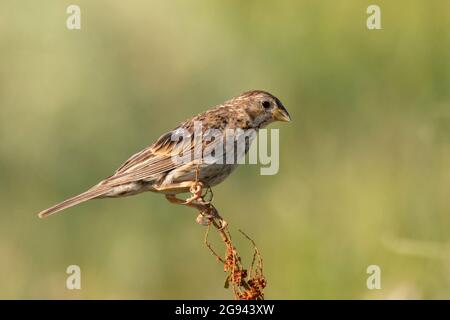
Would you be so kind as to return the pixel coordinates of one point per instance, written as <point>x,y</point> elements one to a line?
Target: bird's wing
<point>155,159</point>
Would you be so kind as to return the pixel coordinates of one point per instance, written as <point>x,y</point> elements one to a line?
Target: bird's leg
<point>196,189</point>
<point>207,211</point>
<point>199,193</point>
<point>202,218</point>
<point>173,199</point>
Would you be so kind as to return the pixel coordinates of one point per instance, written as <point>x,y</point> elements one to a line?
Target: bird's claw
<point>196,191</point>
<point>208,213</point>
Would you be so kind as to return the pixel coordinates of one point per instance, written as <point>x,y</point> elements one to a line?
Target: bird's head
<point>263,108</point>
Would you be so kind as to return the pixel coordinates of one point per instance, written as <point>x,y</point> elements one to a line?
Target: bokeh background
<point>365,164</point>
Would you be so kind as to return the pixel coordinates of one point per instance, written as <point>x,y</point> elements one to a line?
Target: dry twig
<point>245,285</point>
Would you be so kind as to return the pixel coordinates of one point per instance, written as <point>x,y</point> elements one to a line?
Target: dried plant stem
<point>219,258</point>
<point>245,285</point>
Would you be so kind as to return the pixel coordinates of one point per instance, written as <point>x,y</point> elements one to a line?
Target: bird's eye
<point>266,104</point>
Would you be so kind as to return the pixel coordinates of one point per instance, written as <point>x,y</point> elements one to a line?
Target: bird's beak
<point>281,115</point>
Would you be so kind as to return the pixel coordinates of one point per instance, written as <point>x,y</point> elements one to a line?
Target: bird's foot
<point>196,191</point>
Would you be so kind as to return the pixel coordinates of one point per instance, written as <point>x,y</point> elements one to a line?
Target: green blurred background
<point>365,164</point>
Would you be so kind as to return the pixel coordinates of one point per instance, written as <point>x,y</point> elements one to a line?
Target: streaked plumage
<point>153,168</point>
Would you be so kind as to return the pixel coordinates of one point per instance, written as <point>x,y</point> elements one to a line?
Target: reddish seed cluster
<point>255,291</point>
<point>237,278</point>
<point>252,289</point>
<point>232,260</point>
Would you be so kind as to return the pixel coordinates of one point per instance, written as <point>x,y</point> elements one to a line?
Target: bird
<point>154,168</point>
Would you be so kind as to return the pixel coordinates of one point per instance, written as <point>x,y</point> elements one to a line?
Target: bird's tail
<point>90,194</point>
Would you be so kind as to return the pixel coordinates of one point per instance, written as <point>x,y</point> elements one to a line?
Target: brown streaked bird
<point>154,168</point>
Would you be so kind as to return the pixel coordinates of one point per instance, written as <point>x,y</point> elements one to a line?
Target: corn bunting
<point>177,163</point>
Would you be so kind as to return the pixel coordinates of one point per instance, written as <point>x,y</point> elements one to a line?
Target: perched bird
<point>154,168</point>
